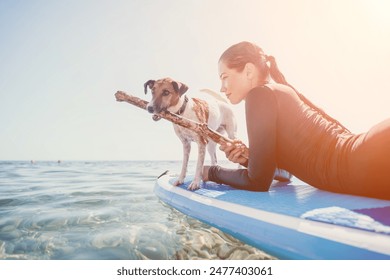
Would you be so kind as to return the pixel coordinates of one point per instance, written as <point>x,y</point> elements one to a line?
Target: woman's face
<point>234,84</point>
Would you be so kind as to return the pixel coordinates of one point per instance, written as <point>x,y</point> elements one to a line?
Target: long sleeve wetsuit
<point>285,131</point>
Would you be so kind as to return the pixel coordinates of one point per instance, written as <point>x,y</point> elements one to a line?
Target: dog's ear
<point>179,87</point>
<point>149,84</point>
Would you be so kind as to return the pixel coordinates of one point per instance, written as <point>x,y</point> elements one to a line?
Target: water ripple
<point>100,210</point>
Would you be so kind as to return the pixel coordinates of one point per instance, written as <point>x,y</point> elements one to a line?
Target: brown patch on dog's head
<point>165,93</point>
<point>149,84</point>
<point>179,87</point>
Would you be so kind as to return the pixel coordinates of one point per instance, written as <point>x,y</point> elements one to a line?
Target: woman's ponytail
<point>274,71</point>
<point>278,77</point>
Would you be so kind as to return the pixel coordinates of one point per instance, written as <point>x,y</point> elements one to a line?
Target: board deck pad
<point>291,221</point>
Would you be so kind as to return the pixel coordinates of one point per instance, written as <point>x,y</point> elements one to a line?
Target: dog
<point>169,95</point>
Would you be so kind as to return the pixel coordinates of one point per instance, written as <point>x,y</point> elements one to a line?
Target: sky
<point>62,61</point>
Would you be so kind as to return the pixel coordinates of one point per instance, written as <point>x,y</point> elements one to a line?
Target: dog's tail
<point>216,95</point>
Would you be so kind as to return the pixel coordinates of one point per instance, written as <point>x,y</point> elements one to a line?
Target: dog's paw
<point>178,182</point>
<point>194,186</point>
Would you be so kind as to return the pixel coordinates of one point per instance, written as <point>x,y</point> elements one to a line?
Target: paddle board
<point>291,221</point>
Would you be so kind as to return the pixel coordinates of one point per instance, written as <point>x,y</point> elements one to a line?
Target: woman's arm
<point>261,118</point>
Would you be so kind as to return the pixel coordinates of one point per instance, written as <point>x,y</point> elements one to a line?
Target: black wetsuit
<point>285,131</point>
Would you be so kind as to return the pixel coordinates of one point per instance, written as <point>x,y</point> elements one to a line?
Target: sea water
<point>101,210</point>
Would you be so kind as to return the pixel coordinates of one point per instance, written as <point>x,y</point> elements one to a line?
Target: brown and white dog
<point>168,95</point>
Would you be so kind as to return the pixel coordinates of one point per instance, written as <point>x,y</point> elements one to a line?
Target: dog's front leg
<point>199,167</point>
<point>211,148</point>
<point>186,156</point>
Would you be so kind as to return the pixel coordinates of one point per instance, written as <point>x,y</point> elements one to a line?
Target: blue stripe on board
<point>380,214</point>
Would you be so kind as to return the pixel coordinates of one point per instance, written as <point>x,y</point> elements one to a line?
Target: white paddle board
<point>290,221</point>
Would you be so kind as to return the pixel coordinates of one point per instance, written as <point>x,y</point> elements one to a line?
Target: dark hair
<point>238,55</point>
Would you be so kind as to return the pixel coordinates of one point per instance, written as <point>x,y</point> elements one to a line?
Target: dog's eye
<point>166,93</point>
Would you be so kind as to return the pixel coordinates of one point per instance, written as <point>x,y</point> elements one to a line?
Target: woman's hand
<point>236,152</point>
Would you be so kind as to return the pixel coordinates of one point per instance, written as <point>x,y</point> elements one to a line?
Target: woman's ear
<point>250,71</point>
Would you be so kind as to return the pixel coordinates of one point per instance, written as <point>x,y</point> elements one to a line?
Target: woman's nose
<point>223,89</point>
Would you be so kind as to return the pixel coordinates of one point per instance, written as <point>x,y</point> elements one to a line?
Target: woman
<point>286,130</point>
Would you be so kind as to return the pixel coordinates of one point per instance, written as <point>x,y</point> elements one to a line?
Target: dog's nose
<point>150,109</point>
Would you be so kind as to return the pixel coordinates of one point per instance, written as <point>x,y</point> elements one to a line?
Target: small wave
<point>100,210</point>
<point>8,202</point>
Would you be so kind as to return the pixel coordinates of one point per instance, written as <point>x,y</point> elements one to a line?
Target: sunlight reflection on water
<point>100,210</point>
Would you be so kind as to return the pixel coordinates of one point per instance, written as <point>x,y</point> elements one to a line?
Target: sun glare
<point>378,11</point>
